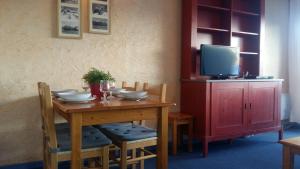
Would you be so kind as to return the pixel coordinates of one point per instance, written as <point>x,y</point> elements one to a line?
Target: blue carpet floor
<point>255,152</point>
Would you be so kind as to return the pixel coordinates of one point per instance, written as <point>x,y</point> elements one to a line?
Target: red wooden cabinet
<point>263,105</point>
<point>228,114</point>
<point>226,109</point>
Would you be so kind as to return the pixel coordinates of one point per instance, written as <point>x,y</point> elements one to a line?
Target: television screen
<point>219,61</point>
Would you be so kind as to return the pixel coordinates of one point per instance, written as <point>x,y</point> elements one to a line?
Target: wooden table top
<point>114,104</point>
<point>291,142</point>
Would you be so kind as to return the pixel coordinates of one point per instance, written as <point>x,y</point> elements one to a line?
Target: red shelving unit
<point>226,109</point>
<point>222,22</point>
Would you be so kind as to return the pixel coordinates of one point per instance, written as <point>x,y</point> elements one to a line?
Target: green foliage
<point>95,76</point>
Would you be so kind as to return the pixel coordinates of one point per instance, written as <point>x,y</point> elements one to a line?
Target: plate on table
<point>135,98</point>
<point>116,91</point>
<point>76,96</point>
<point>85,100</point>
<point>133,94</point>
<point>64,92</point>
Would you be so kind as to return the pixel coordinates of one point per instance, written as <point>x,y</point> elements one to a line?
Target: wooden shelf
<point>212,29</point>
<point>213,7</point>
<point>244,33</point>
<point>222,22</point>
<point>248,53</point>
<point>245,12</point>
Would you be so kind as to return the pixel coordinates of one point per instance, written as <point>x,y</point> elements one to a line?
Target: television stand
<point>228,109</point>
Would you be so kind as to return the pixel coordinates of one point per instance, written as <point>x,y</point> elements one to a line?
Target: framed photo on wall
<point>99,16</point>
<point>69,19</point>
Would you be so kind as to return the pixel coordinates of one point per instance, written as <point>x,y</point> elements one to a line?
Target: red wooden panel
<point>218,3</point>
<point>247,43</point>
<point>194,101</point>
<point>263,103</point>
<point>228,111</point>
<point>246,5</point>
<point>250,64</point>
<point>216,38</point>
<point>189,37</point>
<point>213,19</point>
<point>245,23</point>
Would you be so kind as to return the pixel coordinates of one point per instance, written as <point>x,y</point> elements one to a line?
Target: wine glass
<point>104,89</point>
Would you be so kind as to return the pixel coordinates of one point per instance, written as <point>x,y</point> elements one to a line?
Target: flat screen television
<point>219,61</point>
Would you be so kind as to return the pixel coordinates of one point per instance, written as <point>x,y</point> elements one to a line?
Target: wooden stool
<point>291,147</point>
<point>177,119</point>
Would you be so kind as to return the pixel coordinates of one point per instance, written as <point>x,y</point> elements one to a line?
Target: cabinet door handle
<point>250,106</point>
<point>245,105</point>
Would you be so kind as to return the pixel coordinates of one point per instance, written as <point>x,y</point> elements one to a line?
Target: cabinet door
<point>228,108</point>
<point>263,105</point>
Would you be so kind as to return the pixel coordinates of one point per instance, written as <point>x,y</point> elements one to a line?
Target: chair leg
<point>45,155</point>
<point>123,156</point>
<point>105,157</point>
<point>142,163</point>
<point>133,151</point>
<point>53,161</point>
<point>190,136</point>
<point>174,137</point>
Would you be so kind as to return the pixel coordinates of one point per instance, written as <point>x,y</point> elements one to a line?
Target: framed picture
<point>99,16</point>
<point>69,19</point>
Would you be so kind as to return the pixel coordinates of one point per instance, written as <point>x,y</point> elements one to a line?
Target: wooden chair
<point>133,137</point>
<point>291,147</point>
<point>56,137</point>
<point>177,120</point>
<point>134,88</point>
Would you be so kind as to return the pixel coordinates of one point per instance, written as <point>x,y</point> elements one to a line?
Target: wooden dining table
<point>291,146</point>
<point>116,110</point>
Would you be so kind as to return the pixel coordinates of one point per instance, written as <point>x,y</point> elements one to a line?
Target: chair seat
<point>91,138</point>
<point>126,131</point>
<point>179,116</point>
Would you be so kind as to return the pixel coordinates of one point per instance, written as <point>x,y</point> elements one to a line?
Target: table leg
<point>280,134</point>
<point>162,144</point>
<point>76,132</point>
<point>191,126</point>
<point>288,158</point>
<point>174,137</point>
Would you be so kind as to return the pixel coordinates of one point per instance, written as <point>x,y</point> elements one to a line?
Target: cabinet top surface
<point>234,80</point>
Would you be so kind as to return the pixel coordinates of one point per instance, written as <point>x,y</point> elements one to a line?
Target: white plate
<point>116,91</point>
<point>133,94</point>
<point>64,92</point>
<point>76,96</point>
<point>135,98</point>
<point>77,100</point>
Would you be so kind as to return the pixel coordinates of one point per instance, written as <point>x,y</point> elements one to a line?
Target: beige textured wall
<point>144,45</point>
<point>275,59</point>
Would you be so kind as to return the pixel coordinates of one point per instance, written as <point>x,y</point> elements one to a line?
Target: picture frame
<point>69,19</point>
<point>99,16</point>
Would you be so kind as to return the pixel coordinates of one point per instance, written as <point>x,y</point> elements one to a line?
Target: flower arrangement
<point>93,77</point>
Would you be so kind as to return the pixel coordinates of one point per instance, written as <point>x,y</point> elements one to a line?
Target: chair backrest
<point>135,88</point>
<point>47,114</point>
<point>160,91</point>
<point>152,90</point>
